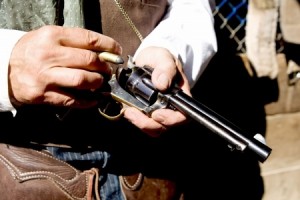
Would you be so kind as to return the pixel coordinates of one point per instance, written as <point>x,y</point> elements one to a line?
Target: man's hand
<point>47,65</point>
<point>167,69</point>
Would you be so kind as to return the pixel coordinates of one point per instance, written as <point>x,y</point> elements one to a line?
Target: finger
<point>168,117</point>
<point>164,66</point>
<point>86,39</point>
<point>79,58</point>
<point>163,73</point>
<point>162,77</point>
<point>72,78</point>
<point>143,122</point>
<point>60,97</point>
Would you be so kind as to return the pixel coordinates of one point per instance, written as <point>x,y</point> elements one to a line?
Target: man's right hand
<point>47,63</point>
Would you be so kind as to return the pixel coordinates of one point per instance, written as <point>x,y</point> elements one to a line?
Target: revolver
<point>132,86</point>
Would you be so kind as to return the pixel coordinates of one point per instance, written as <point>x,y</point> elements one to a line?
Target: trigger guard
<point>112,110</point>
<point>112,118</point>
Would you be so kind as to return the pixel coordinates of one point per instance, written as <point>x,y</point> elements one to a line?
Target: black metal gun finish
<point>143,95</point>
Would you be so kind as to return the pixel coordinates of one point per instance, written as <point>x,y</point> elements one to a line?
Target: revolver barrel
<point>237,138</point>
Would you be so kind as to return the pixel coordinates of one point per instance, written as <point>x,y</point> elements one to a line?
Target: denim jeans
<point>110,188</point>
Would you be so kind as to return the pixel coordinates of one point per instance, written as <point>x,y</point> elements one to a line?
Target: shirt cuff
<point>8,39</point>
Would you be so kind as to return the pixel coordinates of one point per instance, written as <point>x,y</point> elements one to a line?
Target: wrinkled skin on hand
<point>166,68</point>
<point>47,64</point>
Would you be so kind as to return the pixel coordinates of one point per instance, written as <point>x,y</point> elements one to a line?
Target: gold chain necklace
<point>129,21</point>
<point>124,181</point>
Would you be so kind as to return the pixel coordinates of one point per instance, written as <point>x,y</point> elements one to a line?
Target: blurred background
<point>275,100</point>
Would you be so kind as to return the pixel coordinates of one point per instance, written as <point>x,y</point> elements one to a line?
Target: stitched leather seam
<point>17,175</point>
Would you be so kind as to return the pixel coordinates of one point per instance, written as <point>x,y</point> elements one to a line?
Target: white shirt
<point>187,31</point>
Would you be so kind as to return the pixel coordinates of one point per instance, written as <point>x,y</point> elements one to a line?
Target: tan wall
<point>288,97</point>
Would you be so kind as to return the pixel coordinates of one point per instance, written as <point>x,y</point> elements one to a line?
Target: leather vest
<point>39,124</point>
<point>145,14</point>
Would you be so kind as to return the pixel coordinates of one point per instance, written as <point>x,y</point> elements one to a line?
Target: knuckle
<point>68,102</point>
<point>45,34</point>
<point>92,38</point>
<point>41,54</point>
<point>90,58</point>
<point>49,32</point>
<point>77,79</point>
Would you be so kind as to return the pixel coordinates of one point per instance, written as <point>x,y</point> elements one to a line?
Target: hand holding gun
<point>132,86</point>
